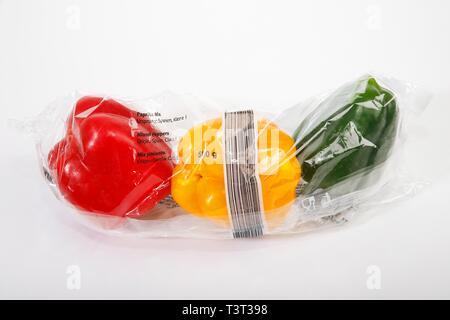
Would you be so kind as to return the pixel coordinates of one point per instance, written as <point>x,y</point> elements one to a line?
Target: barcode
<point>242,184</point>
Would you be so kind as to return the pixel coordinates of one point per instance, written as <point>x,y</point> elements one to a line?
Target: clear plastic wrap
<point>179,166</point>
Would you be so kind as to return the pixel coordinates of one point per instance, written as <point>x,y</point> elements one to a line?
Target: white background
<point>267,54</point>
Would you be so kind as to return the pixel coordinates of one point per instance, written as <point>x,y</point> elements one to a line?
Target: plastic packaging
<point>179,166</point>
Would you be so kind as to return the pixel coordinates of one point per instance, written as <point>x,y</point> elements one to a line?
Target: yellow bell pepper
<point>198,184</point>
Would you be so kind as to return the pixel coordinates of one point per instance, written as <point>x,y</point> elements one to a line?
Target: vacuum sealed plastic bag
<point>176,165</point>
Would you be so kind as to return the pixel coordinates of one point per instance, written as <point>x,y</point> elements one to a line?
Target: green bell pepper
<point>347,137</point>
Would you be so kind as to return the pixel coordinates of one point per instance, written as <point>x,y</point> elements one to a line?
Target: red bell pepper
<point>103,166</point>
